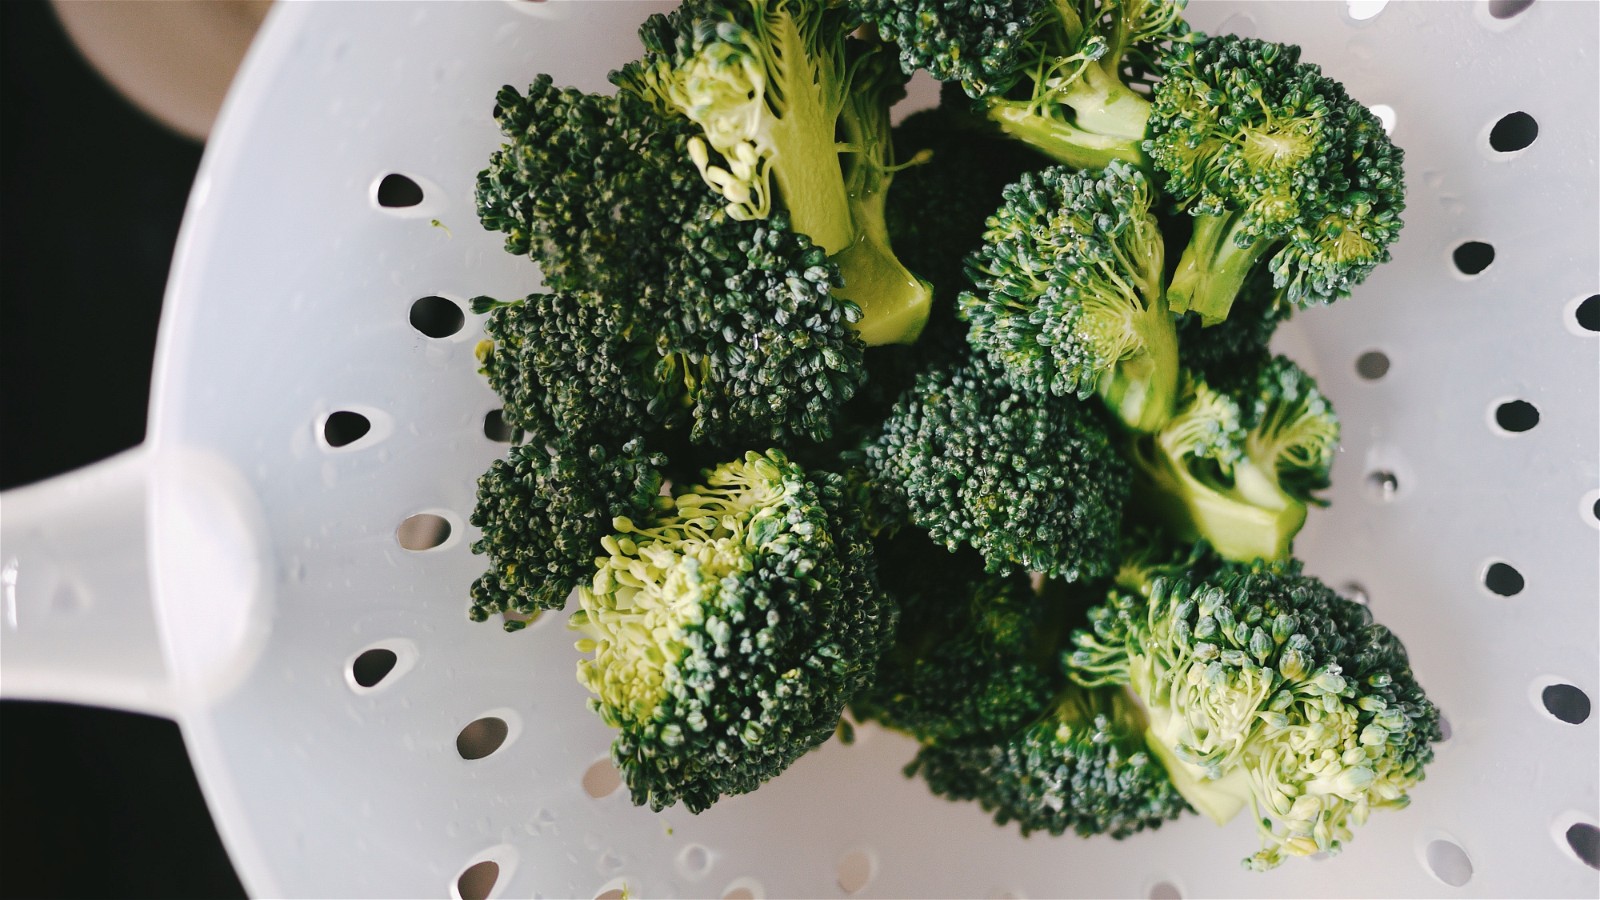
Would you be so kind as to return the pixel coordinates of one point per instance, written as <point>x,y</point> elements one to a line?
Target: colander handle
<point>79,621</point>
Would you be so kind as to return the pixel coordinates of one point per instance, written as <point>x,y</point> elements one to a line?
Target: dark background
<point>93,803</point>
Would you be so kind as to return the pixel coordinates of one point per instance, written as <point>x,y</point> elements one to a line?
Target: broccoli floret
<point>792,114</point>
<point>1059,75</point>
<point>667,312</point>
<point>1267,688</point>
<point>1082,766</point>
<point>973,656</point>
<point>1238,469</point>
<point>542,512</point>
<point>729,630</point>
<point>1276,163</point>
<point>1028,480</point>
<point>1069,296</point>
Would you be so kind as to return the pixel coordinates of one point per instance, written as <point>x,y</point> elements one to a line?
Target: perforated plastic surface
<point>291,299</point>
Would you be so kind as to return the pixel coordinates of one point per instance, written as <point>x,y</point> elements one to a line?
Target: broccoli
<point>729,629</point>
<point>1266,688</point>
<point>666,313</point>
<point>1275,162</point>
<point>972,657</point>
<point>542,512</point>
<point>1221,353</point>
<point>1030,480</point>
<point>792,114</point>
<point>1239,468</point>
<point>1081,766</point>
<point>1069,295</point>
<point>1063,76</point>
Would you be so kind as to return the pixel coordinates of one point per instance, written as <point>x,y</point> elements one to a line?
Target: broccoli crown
<point>772,86</point>
<point>1050,74</point>
<point>668,313</point>
<point>1239,468</point>
<point>1269,155</point>
<point>1267,687</point>
<point>1069,295</point>
<point>1081,766</point>
<point>729,630</point>
<point>973,654</point>
<point>1028,480</point>
<point>542,511</point>
<point>591,187</point>
<point>985,45</point>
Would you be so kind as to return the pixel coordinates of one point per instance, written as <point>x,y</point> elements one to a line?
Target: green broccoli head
<point>728,630</point>
<point>1069,297</point>
<point>1218,353</point>
<point>1276,163</point>
<point>1051,74</point>
<point>1082,766</point>
<point>1028,480</point>
<point>1238,468</point>
<point>1267,688</point>
<point>772,86</point>
<point>974,653</point>
<point>542,511</point>
<point>590,187</point>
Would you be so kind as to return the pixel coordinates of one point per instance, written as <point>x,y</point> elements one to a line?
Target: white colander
<point>231,571</point>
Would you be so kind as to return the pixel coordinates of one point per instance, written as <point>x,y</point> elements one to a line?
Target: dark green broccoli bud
<point>1082,767</point>
<point>1238,469</point>
<point>771,351</point>
<point>1059,75</point>
<point>974,654</point>
<point>1278,165</point>
<point>542,512</point>
<point>591,187</point>
<point>1069,296</point>
<point>1267,688</point>
<point>729,630</point>
<point>773,86</point>
<point>1028,480</point>
<point>585,363</point>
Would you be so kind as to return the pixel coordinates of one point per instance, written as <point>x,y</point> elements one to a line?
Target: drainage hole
<point>1588,313</point>
<point>495,427</point>
<point>396,191</point>
<point>1506,9</point>
<point>1516,416</point>
<point>1566,702</point>
<point>1372,365</point>
<point>423,531</point>
<point>1513,132</point>
<point>1449,863</point>
<point>1473,257</point>
<point>343,428</point>
<point>855,871</point>
<point>601,779</point>
<point>1383,485</point>
<point>482,737</point>
<point>478,880</point>
<point>1503,579</point>
<point>372,666</point>
<point>437,317</point>
<point>1584,839</point>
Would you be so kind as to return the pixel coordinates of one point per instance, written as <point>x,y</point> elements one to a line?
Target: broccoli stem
<point>894,302</point>
<point>808,175</point>
<point>1102,104</point>
<point>1213,268</point>
<point>1142,390</point>
<point>1063,141</point>
<point>1218,799</point>
<point>1253,519</point>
